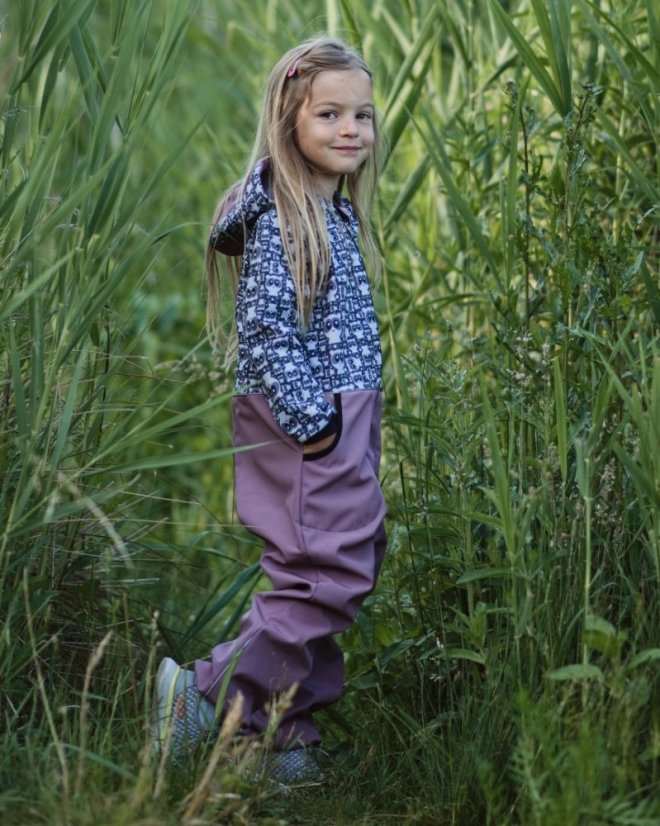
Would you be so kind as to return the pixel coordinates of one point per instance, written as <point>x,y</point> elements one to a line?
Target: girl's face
<point>335,126</point>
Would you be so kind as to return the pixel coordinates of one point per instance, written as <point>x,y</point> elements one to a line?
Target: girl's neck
<point>326,187</point>
<point>326,191</point>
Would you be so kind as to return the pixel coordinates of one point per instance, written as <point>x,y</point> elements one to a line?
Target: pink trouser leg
<point>322,524</point>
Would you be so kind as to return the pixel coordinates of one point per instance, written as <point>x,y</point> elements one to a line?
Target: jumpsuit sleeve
<point>267,319</point>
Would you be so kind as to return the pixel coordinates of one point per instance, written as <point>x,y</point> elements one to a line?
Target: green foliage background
<point>506,669</point>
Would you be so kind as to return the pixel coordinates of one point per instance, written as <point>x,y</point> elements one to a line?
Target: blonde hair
<point>300,211</point>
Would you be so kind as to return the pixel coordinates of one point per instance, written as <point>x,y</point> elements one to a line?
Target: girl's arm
<point>267,320</point>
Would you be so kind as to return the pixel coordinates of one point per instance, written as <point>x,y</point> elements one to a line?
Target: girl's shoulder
<point>266,227</point>
<point>245,205</point>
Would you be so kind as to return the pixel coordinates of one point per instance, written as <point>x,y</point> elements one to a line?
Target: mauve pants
<point>321,520</point>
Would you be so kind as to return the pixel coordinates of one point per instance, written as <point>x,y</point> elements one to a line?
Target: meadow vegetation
<point>506,670</point>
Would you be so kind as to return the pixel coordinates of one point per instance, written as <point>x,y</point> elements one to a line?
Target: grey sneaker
<point>295,767</point>
<point>181,716</point>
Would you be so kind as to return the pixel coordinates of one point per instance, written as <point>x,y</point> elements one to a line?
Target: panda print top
<point>339,351</point>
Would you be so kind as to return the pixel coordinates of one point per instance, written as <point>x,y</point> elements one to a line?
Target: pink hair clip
<point>293,69</point>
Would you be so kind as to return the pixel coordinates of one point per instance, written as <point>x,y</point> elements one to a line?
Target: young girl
<point>307,395</point>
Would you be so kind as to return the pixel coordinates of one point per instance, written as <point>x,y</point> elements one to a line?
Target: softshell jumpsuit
<point>320,516</point>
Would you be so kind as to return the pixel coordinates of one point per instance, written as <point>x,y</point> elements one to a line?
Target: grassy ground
<point>506,669</point>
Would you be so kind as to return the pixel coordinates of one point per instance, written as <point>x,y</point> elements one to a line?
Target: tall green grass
<point>85,417</point>
<point>519,616</point>
<point>506,669</point>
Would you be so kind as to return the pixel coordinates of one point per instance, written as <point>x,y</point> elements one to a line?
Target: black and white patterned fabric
<point>339,351</point>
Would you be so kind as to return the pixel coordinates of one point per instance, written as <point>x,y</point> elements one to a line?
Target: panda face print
<point>332,293</point>
<point>276,244</point>
<point>332,328</point>
<point>290,317</point>
<point>337,360</point>
<point>259,358</point>
<point>353,364</point>
<point>251,321</point>
<point>291,372</point>
<point>273,285</point>
<point>281,348</point>
<point>272,385</point>
<point>251,288</point>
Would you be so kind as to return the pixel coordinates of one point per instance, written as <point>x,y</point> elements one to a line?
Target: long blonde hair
<point>300,212</point>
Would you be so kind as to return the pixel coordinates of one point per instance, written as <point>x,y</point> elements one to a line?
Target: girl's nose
<point>349,126</point>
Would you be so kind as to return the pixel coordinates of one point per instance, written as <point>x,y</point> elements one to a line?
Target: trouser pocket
<point>312,457</point>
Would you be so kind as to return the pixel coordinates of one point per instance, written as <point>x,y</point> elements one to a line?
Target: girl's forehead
<point>341,83</point>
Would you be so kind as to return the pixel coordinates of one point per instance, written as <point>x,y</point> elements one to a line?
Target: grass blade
<point>531,61</point>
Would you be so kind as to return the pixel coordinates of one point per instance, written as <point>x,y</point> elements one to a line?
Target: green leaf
<point>157,462</point>
<point>602,636</point>
<point>649,655</point>
<point>638,175</point>
<point>61,21</point>
<point>244,580</point>
<point>365,681</point>
<point>408,191</point>
<point>624,60</point>
<point>553,19</point>
<point>531,61</point>
<point>577,673</point>
<point>561,417</point>
<point>483,573</point>
<point>465,654</point>
<point>434,144</point>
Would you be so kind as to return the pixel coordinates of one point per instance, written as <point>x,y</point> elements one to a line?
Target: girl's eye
<point>327,115</point>
<point>365,116</point>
